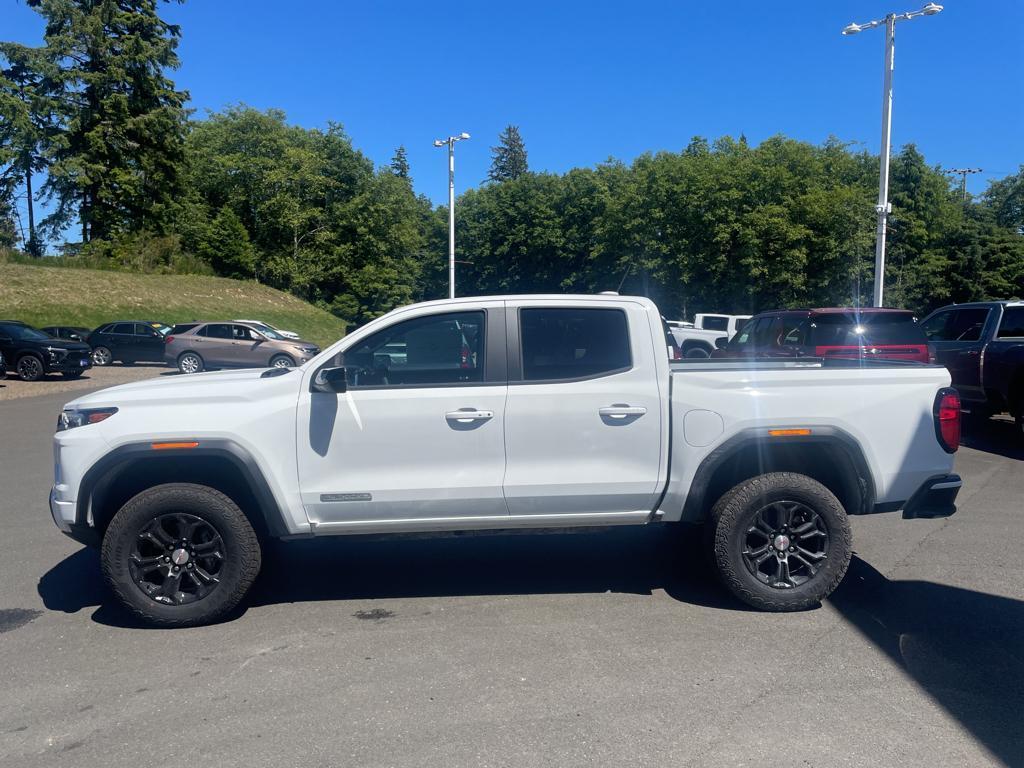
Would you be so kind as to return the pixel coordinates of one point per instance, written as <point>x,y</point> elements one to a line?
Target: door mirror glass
<point>331,380</point>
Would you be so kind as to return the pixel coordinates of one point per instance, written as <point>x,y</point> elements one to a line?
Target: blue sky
<point>591,80</point>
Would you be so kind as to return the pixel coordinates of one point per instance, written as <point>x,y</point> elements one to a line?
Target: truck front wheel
<point>781,541</point>
<point>180,554</point>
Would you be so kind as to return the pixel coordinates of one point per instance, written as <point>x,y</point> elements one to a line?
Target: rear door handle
<point>469,415</point>
<point>621,411</point>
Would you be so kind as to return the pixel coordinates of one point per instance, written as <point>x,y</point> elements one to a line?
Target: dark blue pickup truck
<point>982,345</point>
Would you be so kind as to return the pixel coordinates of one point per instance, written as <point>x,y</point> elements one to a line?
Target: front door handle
<point>621,411</point>
<point>469,415</point>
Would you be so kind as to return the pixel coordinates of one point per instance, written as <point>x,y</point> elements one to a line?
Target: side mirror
<point>331,380</point>
<point>721,342</point>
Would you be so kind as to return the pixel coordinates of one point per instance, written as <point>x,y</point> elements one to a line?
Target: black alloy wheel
<point>786,544</point>
<point>30,368</point>
<point>177,558</point>
<point>780,541</point>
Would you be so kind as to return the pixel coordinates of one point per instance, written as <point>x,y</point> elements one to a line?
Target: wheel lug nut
<point>167,559</point>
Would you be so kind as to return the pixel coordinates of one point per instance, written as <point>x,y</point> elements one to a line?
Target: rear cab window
<point>560,344</point>
<point>964,324</point>
<point>1012,324</point>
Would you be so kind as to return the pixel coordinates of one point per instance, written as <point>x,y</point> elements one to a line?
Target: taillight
<point>947,419</point>
<point>168,339</point>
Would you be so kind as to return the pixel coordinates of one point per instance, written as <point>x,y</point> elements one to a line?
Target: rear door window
<point>569,343</point>
<point>215,331</point>
<point>1012,325</point>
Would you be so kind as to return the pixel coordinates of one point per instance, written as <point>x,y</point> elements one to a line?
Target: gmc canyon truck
<point>500,413</point>
<point>982,345</point>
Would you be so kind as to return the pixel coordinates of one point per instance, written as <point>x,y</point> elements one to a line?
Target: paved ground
<point>593,649</point>
<point>12,387</point>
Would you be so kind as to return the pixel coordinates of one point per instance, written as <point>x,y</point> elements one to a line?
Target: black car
<point>72,332</point>
<point>129,341</point>
<point>3,367</point>
<point>32,354</point>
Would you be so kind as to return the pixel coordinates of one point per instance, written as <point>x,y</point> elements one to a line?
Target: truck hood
<point>246,384</point>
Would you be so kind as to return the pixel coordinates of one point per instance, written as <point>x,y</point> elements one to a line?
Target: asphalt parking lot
<point>611,649</point>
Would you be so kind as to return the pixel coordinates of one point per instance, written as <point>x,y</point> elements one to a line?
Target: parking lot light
<point>883,208</point>
<point>450,143</point>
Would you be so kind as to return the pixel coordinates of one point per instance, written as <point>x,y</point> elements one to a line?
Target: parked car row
<point>981,343</point>
<point>32,353</point>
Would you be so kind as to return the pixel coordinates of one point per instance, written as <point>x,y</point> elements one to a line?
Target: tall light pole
<point>450,143</point>
<point>883,208</point>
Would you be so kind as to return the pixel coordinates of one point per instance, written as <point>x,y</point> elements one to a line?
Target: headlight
<point>308,350</point>
<point>79,417</point>
<point>56,354</point>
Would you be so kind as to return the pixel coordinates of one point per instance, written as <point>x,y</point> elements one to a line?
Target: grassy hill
<point>41,295</point>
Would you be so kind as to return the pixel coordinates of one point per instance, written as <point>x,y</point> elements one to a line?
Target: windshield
<point>25,333</point>
<point>870,329</point>
<point>267,331</point>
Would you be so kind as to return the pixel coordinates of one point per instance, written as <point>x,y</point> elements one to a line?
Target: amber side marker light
<point>788,432</point>
<point>172,446</point>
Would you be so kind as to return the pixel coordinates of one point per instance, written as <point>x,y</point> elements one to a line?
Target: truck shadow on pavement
<point>999,436</point>
<point>965,649</point>
<point>626,560</point>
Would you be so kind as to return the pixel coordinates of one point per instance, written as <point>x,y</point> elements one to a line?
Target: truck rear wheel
<point>781,541</point>
<point>179,555</point>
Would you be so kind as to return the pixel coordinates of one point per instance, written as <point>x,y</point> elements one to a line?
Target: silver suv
<point>194,347</point>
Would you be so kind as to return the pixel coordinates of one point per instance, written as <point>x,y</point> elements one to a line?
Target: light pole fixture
<point>450,143</point>
<point>884,208</point>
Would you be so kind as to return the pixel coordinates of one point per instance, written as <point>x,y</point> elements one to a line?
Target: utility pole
<point>450,143</point>
<point>883,208</point>
<point>962,172</point>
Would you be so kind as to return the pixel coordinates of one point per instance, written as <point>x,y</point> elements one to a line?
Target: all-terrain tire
<point>730,526</point>
<point>241,555</point>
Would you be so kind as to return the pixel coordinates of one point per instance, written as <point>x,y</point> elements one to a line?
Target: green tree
<point>1004,199</point>
<point>400,164</point>
<point>26,127</point>
<point>116,162</point>
<point>508,159</point>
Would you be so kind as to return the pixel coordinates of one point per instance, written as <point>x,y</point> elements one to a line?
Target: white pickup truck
<point>701,338</point>
<point>519,412</point>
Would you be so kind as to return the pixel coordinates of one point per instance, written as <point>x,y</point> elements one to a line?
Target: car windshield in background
<point>182,328</point>
<point>267,331</point>
<point>868,330</point>
<point>163,329</point>
<point>25,333</point>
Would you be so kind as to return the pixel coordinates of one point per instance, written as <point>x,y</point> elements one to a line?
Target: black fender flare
<point>696,498</point>
<point>113,464</point>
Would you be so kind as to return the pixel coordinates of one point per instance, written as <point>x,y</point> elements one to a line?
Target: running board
<point>491,522</point>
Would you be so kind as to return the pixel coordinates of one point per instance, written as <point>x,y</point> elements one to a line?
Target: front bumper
<point>63,513</point>
<point>935,498</point>
<point>68,364</point>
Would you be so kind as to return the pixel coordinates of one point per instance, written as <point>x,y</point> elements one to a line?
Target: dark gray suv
<point>194,347</point>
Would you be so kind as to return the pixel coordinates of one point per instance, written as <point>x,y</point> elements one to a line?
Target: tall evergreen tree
<point>117,162</point>
<point>508,159</point>
<point>400,163</point>
<point>26,125</point>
